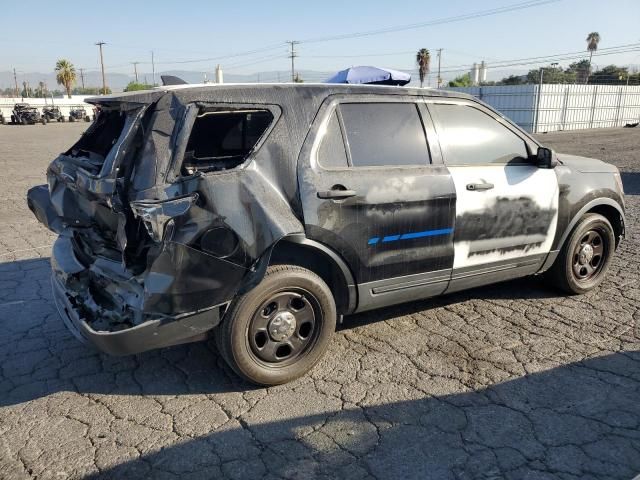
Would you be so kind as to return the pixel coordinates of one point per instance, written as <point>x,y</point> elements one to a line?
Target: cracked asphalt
<point>509,381</point>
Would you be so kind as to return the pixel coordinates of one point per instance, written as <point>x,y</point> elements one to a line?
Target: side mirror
<point>546,158</point>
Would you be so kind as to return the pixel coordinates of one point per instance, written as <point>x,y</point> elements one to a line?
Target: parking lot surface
<point>509,381</point>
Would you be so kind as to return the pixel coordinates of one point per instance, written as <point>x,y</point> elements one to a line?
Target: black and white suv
<point>267,212</point>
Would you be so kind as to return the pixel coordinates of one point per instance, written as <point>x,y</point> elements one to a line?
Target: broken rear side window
<point>223,139</point>
<point>96,143</point>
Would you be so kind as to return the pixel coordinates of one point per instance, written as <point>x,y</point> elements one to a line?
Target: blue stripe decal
<point>391,238</point>
<point>411,236</point>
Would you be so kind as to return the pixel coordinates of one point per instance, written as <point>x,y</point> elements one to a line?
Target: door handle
<point>337,194</point>
<point>479,186</point>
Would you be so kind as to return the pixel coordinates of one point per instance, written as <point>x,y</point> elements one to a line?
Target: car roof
<point>320,89</point>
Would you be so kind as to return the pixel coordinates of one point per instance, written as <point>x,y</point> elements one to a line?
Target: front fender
<point>586,208</point>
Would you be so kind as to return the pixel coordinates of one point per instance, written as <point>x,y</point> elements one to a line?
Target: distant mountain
<point>118,81</point>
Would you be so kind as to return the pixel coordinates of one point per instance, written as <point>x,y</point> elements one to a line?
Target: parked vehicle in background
<point>25,114</point>
<point>52,113</point>
<point>78,114</point>
<point>264,213</point>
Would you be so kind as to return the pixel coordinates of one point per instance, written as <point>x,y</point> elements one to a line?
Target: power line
<point>440,21</point>
<point>601,51</point>
<point>222,57</point>
<point>633,47</point>
<point>457,18</point>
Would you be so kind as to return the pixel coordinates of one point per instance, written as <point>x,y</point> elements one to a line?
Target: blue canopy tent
<point>371,76</point>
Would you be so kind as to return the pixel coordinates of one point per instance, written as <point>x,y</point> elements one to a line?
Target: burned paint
<point>507,217</point>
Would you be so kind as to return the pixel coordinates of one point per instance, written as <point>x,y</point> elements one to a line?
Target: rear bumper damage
<point>177,299</point>
<point>85,314</point>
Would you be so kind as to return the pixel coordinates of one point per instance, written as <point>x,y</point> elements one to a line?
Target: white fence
<point>65,104</point>
<point>547,108</point>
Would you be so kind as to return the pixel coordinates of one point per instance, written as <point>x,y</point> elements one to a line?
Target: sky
<point>191,30</point>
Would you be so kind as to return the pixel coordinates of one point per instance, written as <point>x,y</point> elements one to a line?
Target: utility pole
<point>292,56</point>
<point>15,80</point>
<point>82,77</point>
<point>153,69</point>
<point>439,63</point>
<point>104,82</point>
<point>135,69</point>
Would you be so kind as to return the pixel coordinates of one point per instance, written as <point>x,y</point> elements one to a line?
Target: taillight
<point>156,215</point>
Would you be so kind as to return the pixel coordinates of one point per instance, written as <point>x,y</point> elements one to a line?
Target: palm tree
<point>593,39</point>
<point>65,74</point>
<point>423,58</point>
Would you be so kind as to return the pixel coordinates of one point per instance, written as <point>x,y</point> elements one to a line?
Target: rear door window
<point>223,139</point>
<point>384,134</point>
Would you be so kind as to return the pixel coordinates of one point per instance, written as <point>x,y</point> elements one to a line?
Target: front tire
<point>279,330</point>
<point>585,256</point>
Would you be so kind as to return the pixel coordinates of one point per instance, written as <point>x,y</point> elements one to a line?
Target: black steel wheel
<point>585,256</point>
<point>280,329</point>
<point>588,255</point>
<point>284,327</point>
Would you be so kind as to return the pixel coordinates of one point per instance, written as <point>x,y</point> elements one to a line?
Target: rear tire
<point>280,329</point>
<point>585,257</point>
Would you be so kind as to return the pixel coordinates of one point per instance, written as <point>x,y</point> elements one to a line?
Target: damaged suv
<point>264,213</point>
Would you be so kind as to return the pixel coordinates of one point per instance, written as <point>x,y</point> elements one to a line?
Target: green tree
<point>27,91</point>
<point>65,74</point>
<point>549,75</point>
<point>134,86</point>
<point>298,79</point>
<point>513,80</point>
<point>580,70</point>
<point>89,91</point>
<point>423,59</point>
<point>593,39</point>
<point>461,81</point>
<point>610,75</point>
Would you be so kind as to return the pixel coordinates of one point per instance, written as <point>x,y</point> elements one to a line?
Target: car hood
<point>586,164</point>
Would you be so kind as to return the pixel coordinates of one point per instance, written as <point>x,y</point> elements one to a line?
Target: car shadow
<point>39,357</point>
<point>519,289</point>
<point>578,420</point>
<point>575,421</point>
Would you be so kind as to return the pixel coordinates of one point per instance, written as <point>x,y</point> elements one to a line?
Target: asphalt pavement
<point>509,381</point>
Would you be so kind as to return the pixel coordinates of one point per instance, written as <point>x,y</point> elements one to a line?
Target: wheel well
<point>321,264</point>
<point>614,217</point>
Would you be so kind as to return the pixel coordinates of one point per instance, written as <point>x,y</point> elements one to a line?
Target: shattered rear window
<point>103,134</point>
<point>223,139</point>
